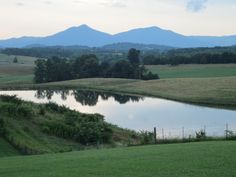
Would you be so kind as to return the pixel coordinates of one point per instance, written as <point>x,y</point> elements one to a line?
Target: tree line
<point>200,58</point>
<point>89,66</point>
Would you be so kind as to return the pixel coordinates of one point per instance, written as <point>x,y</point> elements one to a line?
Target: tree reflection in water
<point>87,97</point>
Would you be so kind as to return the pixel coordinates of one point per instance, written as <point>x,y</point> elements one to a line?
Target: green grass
<point>6,149</point>
<point>193,71</point>
<point>204,159</point>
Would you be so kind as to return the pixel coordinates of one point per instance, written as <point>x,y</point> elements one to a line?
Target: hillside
<point>86,36</point>
<point>47,128</point>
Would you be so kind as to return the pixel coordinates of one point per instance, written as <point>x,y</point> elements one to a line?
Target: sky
<point>46,17</point>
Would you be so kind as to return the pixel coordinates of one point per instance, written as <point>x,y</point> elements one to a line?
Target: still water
<point>172,119</point>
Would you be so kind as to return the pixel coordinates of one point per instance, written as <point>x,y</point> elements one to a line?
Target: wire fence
<point>186,132</point>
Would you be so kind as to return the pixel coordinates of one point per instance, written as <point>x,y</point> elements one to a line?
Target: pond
<point>172,119</point>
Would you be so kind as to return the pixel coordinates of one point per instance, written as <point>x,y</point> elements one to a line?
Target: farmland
<point>193,71</point>
<point>20,72</point>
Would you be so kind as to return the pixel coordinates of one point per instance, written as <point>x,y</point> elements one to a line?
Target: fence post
<point>163,137</point>
<point>183,133</point>
<point>226,131</point>
<point>155,135</point>
<point>205,135</point>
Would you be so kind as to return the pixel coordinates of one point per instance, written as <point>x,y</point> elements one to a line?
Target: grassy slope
<point>207,159</point>
<point>6,149</point>
<point>21,72</point>
<point>27,132</point>
<point>194,71</point>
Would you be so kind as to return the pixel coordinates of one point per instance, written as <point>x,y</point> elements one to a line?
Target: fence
<point>224,131</point>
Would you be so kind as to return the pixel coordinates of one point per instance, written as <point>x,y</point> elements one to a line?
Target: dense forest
<point>70,52</point>
<point>116,52</point>
<point>203,58</point>
<point>203,55</point>
<point>89,66</point>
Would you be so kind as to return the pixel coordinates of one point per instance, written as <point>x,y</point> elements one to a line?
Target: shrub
<point>150,76</point>
<point>147,137</point>
<point>2,127</point>
<point>42,110</point>
<point>8,108</point>
<point>201,134</point>
<point>10,99</point>
<point>85,129</point>
<point>20,110</point>
<point>56,108</point>
<point>25,111</point>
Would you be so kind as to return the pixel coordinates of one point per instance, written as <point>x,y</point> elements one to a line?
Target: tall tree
<point>40,71</point>
<point>134,57</point>
<point>86,66</point>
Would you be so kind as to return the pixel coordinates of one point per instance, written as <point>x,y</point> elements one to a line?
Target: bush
<point>147,137</point>
<point>2,127</point>
<point>85,129</point>
<point>55,107</point>
<point>200,135</point>
<point>25,111</point>
<point>20,110</point>
<point>42,110</point>
<point>10,99</point>
<point>150,76</point>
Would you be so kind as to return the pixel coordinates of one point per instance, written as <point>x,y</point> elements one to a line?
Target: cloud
<point>196,5</point>
<point>47,2</point>
<point>114,3</point>
<point>79,1</point>
<point>20,4</point>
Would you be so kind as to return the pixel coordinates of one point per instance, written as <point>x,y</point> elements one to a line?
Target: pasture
<point>193,70</point>
<point>16,73</point>
<point>205,159</point>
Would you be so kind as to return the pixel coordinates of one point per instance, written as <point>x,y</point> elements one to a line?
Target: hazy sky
<point>188,17</point>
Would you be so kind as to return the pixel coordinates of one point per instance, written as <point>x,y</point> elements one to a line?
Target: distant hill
<point>143,47</point>
<point>85,36</point>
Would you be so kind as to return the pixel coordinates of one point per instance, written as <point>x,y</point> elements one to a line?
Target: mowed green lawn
<point>193,71</point>
<point>21,72</point>
<point>203,159</point>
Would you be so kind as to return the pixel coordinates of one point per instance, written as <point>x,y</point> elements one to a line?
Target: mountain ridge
<point>87,36</point>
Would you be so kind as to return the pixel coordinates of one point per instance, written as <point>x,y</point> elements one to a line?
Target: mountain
<point>85,36</point>
<point>82,35</point>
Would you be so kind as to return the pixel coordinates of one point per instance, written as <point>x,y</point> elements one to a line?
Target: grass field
<point>21,72</point>
<point>193,71</point>
<point>6,149</point>
<point>205,159</point>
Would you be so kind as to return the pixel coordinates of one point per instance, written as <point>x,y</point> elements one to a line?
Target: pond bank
<point>216,92</point>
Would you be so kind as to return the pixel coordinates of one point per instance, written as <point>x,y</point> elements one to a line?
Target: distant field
<point>193,71</point>
<point>21,72</point>
<point>6,149</point>
<point>205,159</point>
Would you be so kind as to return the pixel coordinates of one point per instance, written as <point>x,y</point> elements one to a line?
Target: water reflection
<point>139,113</point>
<point>87,97</point>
